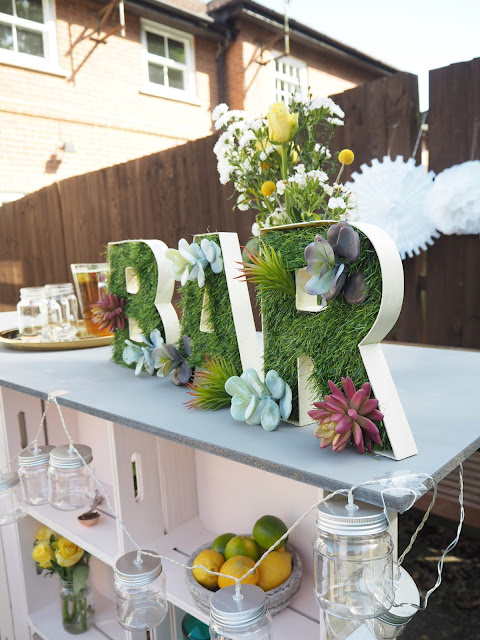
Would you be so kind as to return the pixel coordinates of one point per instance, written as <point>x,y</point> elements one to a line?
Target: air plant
<point>191,260</point>
<point>108,312</point>
<point>344,416</point>
<point>328,271</point>
<point>168,361</point>
<point>256,402</point>
<point>143,355</point>
<point>268,270</point>
<point>208,386</point>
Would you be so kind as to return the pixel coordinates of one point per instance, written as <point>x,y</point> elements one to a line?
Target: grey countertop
<point>437,387</point>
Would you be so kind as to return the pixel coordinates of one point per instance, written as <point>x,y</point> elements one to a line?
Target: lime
<point>237,567</point>
<point>242,546</point>
<point>220,543</point>
<point>267,530</point>
<point>211,560</point>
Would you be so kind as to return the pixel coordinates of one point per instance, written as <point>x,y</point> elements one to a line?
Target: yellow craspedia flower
<point>268,187</point>
<point>67,553</point>
<point>346,156</point>
<point>281,123</point>
<point>45,533</point>
<point>43,554</point>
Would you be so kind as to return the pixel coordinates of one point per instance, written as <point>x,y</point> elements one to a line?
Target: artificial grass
<point>223,339</point>
<point>329,337</point>
<point>140,306</point>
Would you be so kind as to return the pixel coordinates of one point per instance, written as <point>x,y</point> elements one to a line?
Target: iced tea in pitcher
<point>91,283</point>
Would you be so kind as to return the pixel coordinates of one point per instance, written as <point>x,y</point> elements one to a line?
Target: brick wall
<point>98,104</point>
<point>250,85</point>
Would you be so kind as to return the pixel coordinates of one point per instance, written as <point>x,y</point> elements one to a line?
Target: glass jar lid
<point>339,518</point>
<point>8,480</point>
<point>34,457</point>
<point>406,595</point>
<point>59,289</point>
<point>227,611</point>
<point>32,292</point>
<point>134,574</point>
<point>63,458</point>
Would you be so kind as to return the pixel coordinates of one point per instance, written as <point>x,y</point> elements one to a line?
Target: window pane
<point>30,10</point>
<point>175,79</point>
<point>6,6</point>
<point>176,51</point>
<point>6,36</point>
<point>30,42</point>
<point>155,73</point>
<point>155,44</point>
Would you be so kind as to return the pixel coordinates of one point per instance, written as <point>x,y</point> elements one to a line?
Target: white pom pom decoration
<point>454,203</point>
<point>392,194</point>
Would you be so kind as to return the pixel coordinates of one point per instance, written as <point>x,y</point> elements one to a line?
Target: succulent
<point>256,402</point>
<point>267,269</point>
<point>191,260</point>
<point>328,271</point>
<point>208,386</point>
<point>344,416</point>
<point>143,355</point>
<point>168,360</point>
<point>108,312</point>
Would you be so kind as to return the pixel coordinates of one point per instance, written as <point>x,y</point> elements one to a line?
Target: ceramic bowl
<point>277,599</point>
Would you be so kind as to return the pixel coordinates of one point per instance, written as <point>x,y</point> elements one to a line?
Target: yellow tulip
<point>281,123</point>
<point>43,554</point>
<point>67,553</point>
<point>44,533</point>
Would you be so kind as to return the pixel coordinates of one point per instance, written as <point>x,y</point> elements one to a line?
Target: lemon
<point>242,546</point>
<point>220,543</point>
<point>267,530</point>
<point>211,560</point>
<point>274,569</point>
<point>237,567</point>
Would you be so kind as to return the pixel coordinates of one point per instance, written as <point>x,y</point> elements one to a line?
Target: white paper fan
<point>454,203</point>
<point>392,194</point>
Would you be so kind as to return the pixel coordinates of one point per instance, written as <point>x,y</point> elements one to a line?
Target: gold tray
<point>11,339</point>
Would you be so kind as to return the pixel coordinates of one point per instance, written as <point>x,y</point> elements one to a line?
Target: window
<point>290,76</point>
<point>27,33</point>
<point>169,66</point>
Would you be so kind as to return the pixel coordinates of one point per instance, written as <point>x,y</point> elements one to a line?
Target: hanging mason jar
<point>32,311</point>
<point>405,605</point>
<point>70,485</point>
<point>12,506</point>
<point>140,591</point>
<point>353,560</point>
<point>245,618</point>
<point>33,474</point>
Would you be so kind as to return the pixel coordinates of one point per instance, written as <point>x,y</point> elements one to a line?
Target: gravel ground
<point>453,610</point>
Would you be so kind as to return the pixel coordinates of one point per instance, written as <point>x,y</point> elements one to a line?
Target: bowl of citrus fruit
<point>279,574</point>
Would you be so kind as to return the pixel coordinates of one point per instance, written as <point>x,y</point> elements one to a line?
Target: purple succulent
<point>344,416</point>
<point>169,361</point>
<point>355,291</point>
<point>345,241</point>
<point>108,312</point>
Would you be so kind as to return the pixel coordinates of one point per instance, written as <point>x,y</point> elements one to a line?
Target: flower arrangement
<point>54,554</point>
<point>281,166</point>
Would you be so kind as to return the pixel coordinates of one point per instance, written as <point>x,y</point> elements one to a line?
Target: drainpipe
<point>222,48</point>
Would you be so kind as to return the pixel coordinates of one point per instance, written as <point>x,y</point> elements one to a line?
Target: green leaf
<point>275,384</point>
<point>236,386</point>
<point>286,403</point>
<point>270,415</point>
<point>80,577</point>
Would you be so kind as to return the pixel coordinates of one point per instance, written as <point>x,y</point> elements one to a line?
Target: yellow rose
<point>67,553</point>
<point>44,533</point>
<point>43,554</point>
<point>281,122</point>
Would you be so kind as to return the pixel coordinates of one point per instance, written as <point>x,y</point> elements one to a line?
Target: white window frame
<point>188,94</point>
<point>301,85</point>
<point>49,62</point>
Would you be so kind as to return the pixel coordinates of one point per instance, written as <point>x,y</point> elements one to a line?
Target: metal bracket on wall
<point>103,15</point>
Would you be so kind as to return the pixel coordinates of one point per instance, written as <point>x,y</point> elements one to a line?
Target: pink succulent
<point>344,416</point>
<point>108,312</point>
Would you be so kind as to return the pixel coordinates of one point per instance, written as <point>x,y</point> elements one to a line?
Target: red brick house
<point>77,95</point>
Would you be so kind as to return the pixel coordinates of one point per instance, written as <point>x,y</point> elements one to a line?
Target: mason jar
<point>51,332</point>
<point>67,301</point>
<point>353,560</point>
<point>70,485</point>
<point>393,623</point>
<point>32,311</point>
<point>33,474</point>
<point>245,618</point>
<point>12,506</point>
<point>140,590</point>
